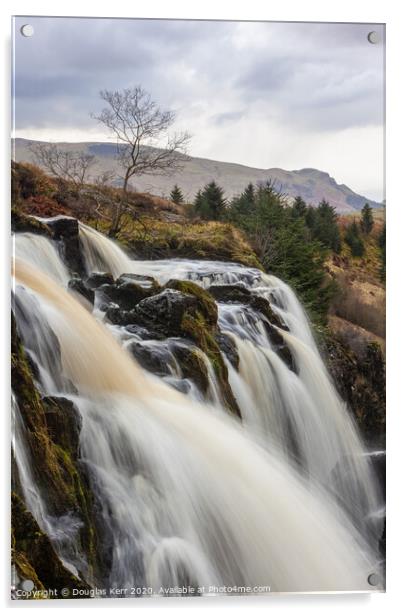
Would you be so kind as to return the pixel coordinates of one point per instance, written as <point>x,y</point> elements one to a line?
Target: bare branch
<point>63,164</point>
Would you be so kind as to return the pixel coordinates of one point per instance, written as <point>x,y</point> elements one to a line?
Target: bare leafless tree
<point>144,145</point>
<point>64,164</point>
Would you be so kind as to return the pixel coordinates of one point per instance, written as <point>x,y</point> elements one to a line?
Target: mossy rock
<point>164,312</point>
<point>230,293</point>
<point>52,428</point>
<point>361,383</point>
<point>21,223</point>
<point>192,366</point>
<point>126,294</point>
<point>262,305</point>
<point>198,330</point>
<point>33,554</point>
<point>206,303</point>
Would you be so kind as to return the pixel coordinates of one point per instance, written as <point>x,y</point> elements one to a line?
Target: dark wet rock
<point>182,385</point>
<point>66,230</point>
<point>280,346</point>
<point>361,383</point>
<point>196,328</point>
<point>33,555</point>
<point>228,347</point>
<point>126,294</point>
<point>63,422</point>
<point>97,279</point>
<point>262,305</point>
<point>144,281</point>
<point>78,285</point>
<point>192,365</point>
<point>164,312</point>
<point>143,332</point>
<point>117,316</point>
<point>230,293</point>
<point>151,357</point>
<point>206,304</point>
<point>51,428</point>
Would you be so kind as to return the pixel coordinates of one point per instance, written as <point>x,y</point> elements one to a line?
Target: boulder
<point>97,279</point>
<point>230,293</point>
<point>144,281</point>
<point>151,357</point>
<point>206,304</point>
<point>117,316</point>
<point>192,365</point>
<point>164,312</point>
<point>126,294</point>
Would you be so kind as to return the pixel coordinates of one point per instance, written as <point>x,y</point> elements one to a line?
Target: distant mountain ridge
<point>311,184</point>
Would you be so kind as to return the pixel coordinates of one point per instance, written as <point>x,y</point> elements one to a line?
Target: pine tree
<point>285,247</point>
<point>354,240</point>
<point>299,208</point>
<point>199,205</point>
<point>210,203</point>
<point>324,226</point>
<point>176,195</point>
<point>367,220</point>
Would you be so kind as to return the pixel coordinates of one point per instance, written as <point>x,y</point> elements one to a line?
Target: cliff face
<point>360,381</point>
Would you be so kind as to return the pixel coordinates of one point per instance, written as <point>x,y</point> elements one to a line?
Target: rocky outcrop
<point>52,426</point>
<point>34,557</point>
<point>126,294</point>
<point>66,231</point>
<point>230,293</point>
<point>192,365</point>
<point>21,223</point>
<point>97,279</point>
<point>78,285</point>
<point>361,383</point>
<point>155,359</point>
<point>165,311</point>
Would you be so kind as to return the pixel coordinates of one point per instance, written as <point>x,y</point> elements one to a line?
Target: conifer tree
<point>367,220</point>
<point>176,195</point>
<point>354,240</point>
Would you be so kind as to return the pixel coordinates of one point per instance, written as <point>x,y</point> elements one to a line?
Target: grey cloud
<point>310,76</point>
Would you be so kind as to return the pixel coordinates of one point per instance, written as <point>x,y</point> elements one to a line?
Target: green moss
<point>21,223</point>
<point>54,465</point>
<point>196,328</point>
<point>193,366</point>
<point>207,304</point>
<point>151,238</point>
<point>33,555</point>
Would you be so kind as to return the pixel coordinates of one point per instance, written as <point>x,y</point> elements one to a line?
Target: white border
<point>387,11</point>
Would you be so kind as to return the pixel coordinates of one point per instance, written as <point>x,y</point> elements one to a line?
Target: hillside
<point>311,184</point>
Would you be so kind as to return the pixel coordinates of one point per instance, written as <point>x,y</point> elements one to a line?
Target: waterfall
<point>102,254</point>
<point>188,495</point>
<point>41,252</point>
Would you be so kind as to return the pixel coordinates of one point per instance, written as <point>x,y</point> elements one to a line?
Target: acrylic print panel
<point>198,308</point>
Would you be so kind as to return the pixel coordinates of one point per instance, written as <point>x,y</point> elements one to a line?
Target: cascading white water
<point>190,496</point>
<point>102,254</point>
<point>41,252</point>
<point>301,413</point>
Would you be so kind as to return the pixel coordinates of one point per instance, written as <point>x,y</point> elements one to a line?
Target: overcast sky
<point>286,95</point>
